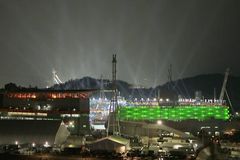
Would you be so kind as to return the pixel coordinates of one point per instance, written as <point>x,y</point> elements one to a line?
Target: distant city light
<point>71,123</point>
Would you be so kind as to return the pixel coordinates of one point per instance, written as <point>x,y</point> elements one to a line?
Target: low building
<point>110,144</point>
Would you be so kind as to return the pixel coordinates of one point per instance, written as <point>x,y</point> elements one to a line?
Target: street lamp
<point>159,122</point>
<point>46,144</point>
<point>33,144</point>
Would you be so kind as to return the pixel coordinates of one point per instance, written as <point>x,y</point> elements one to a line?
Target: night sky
<point>78,38</point>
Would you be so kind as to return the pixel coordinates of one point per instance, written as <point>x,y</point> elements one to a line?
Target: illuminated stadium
<point>174,113</point>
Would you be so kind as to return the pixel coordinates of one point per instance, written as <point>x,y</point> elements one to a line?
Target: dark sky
<point>78,38</point>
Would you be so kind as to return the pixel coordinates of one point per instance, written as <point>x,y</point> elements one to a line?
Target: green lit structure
<point>174,113</point>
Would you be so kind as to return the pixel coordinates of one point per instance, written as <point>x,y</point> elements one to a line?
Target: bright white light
<point>33,144</point>
<point>71,124</point>
<point>167,99</point>
<point>16,142</point>
<point>159,122</point>
<point>177,146</point>
<point>195,145</point>
<point>46,144</point>
<point>161,99</point>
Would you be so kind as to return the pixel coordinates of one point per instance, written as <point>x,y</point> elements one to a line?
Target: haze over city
<point>78,38</point>
<point>119,79</point>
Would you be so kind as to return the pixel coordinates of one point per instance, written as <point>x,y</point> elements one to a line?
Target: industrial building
<point>69,106</point>
<point>15,131</point>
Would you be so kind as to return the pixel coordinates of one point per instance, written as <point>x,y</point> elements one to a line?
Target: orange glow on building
<point>49,95</point>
